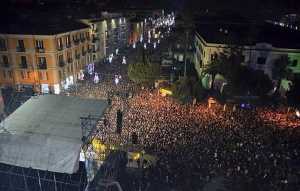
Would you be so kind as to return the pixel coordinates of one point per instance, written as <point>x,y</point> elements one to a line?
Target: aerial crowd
<point>255,149</point>
<point>249,149</point>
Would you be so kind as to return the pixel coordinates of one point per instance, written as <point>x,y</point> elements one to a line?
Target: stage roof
<point>44,133</point>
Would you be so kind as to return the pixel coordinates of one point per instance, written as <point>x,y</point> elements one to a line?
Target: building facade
<point>259,55</point>
<point>109,34</point>
<point>46,62</point>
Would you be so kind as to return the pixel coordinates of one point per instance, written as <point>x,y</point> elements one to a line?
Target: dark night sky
<point>192,5</point>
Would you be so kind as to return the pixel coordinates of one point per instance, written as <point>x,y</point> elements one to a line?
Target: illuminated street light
<point>124,60</point>
<point>298,113</point>
<point>133,46</point>
<point>81,75</point>
<point>91,68</point>
<point>141,38</point>
<point>145,46</point>
<point>96,78</point>
<point>117,51</point>
<point>116,81</point>
<point>110,58</point>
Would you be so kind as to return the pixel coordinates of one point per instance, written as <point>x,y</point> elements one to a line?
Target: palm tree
<point>280,69</point>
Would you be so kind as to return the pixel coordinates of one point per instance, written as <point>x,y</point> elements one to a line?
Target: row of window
<point>259,60</point>
<point>25,75</point>
<point>70,57</point>
<point>42,64</point>
<point>81,37</point>
<point>39,44</point>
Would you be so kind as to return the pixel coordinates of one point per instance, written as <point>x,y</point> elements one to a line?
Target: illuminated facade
<point>46,62</point>
<point>136,30</point>
<point>109,34</point>
<point>260,54</point>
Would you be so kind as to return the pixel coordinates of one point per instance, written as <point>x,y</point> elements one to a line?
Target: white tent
<point>45,132</point>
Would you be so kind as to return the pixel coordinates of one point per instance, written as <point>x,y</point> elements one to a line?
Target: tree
<point>187,88</point>
<point>228,64</point>
<point>280,68</point>
<point>242,79</point>
<point>294,94</point>
<point>143,71</point>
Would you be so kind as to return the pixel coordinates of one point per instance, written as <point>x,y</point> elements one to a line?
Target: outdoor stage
<point>41,141</point>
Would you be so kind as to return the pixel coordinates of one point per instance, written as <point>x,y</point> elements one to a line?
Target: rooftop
<point>38,26</point>
<point>45,132</point>
<point>249,34</point>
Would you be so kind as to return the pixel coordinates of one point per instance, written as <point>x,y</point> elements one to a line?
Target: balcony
<point>83,53</point>
<point>68,45</point>
<point>42,66</point>
<point>61,63</point>
<point>60,48</point>
<point>77,56</point>
<point>5,65</point>
<point>76,41</point>
<point>95,39</point>
<point>70,60</point>
<point>20,49</point>
<point>82,40</point>
<point>40,50</point>
<point>23,65</point>
<point>3,48</point>
<point>89,50</point>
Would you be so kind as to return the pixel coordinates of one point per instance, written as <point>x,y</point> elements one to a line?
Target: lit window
<point>42,64</point>
<point>23,62</point>
<point>2,44</point>
<point>39,44</point>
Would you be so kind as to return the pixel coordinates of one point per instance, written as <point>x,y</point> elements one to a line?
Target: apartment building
<point>108,34</point>
<point>48,56</point>
<point>136,30</point>
<point>261,45</point>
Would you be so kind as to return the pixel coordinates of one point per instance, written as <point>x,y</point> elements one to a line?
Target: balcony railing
<point>83,53</point>
<point>76,41</point>
<point>95,39</point>
<point>59,48</point>
<point>82,39</point>
<point>68,45</point>
<point>77,56</point>
<point>40,50</point>
<point>61,63</point>
<point>23,65</point>
<point>42,66</point>
<point>89,50</point>
<point>20,49</point>
<point>3,48</point>
<point>5,65</point>
<point>70,60</point>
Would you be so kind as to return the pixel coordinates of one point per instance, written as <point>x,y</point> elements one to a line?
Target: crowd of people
<point>252,149</point>
<point>196,143</point>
